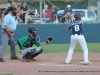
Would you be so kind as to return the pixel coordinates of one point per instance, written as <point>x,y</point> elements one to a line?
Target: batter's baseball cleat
<point>86,63</point>
<point>67,62</point>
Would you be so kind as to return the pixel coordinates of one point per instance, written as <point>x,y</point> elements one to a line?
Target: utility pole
<point>98,11</point>
<point>40,11</point>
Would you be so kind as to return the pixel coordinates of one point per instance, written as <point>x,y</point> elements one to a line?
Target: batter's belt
<point>78,34</point>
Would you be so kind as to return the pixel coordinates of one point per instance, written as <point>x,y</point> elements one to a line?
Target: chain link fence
<point>51,11</point>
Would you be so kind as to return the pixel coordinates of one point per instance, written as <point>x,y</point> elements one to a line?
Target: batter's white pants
<point>74,40</point>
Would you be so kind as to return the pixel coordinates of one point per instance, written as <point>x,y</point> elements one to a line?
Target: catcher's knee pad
<point>36,54</point>
<point>33,51</point>
<point>41,50</point>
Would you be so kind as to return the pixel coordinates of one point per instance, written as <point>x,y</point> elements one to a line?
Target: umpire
<point>7,33</point>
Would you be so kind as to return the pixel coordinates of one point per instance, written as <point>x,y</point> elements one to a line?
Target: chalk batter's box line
<point>69,65</point>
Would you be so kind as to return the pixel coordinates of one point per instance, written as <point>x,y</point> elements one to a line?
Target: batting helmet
<point>77,16</point>
<point>31,29</point>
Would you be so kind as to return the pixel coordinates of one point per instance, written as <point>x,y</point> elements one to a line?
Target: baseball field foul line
<point>83,62</point>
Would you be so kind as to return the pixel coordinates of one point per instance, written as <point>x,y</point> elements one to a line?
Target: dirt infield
<point>52,64</point>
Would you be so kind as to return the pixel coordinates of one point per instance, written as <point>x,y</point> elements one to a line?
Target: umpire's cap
<point>77,16</point>
<point>11,8</point>
<point>31,29</point>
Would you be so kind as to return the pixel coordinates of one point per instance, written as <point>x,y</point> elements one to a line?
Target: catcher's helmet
<point>31,29</point>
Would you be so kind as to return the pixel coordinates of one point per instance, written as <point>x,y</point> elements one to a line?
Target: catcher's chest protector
<point>32,40</point>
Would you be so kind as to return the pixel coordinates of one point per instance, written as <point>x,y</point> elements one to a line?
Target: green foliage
<point>63,48</point>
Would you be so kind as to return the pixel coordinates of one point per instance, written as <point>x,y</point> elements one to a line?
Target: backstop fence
<point>52,11</point>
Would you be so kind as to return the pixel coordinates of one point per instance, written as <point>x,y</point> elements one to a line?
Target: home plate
<point>83,62</point>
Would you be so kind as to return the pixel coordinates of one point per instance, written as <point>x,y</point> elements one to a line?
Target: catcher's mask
<point>32,30</point>
<point>77,16</point>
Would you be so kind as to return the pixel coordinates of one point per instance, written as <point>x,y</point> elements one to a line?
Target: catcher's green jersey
<point>26,40</point>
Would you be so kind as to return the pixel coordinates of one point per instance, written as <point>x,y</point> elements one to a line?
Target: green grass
<point>63,48</point>
<point>6,74</point>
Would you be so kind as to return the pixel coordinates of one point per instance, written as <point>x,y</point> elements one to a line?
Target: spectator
<point>49,16</point>
<point>5,10</point>
<point>3,13</point>
<point>36,13</point>
<point>54,12</point>
<point>67,14</point>
<point>24,13</point>
<point>45,8</point>
<point>17,5</point>
<point>9,3</point>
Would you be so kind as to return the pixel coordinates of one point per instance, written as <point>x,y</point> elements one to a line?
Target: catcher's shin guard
<point>27,57</point>
<point>36,54</point>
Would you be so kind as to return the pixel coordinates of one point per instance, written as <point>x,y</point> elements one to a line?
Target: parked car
<point>87,15</point>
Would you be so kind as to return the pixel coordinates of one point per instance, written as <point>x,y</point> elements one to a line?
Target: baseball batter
<point>77,36</point>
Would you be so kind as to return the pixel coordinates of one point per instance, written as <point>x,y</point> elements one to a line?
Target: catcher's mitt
<point>49,38</point>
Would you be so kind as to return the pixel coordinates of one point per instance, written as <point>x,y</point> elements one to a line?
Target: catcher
<point>26,43</point>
